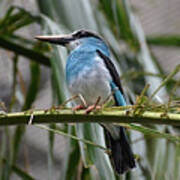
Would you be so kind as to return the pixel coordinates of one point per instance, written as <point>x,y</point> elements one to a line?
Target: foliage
<point>117,23</point>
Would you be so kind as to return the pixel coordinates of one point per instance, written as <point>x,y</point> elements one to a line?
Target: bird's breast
<point>91,81</point>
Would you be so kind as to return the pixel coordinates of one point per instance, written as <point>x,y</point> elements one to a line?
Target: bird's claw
<point>91,108</point>
<point>88,110</point>
<point>78,107</point>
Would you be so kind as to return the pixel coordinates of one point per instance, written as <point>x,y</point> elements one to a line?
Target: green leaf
<point>51,136</point>
<point>16,18</point>
<point>31,95</point>
<point>34,85</point>
<point>59,55</point>
<point>22,174</point>
<point>92,155</point>
<point>6,168</point>
<point>33,55</point>
<point>176,164</point>
<point>166,40</point>
<point>153,132</point>
<point>72,157</point>
<point>17,137</point>
<point>13,95</point>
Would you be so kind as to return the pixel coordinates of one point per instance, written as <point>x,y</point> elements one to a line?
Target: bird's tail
<point>121,154</point>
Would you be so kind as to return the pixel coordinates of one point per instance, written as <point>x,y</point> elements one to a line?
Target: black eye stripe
<point>83,33</point>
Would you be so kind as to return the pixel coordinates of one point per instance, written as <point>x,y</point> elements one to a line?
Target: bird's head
<point>75,39</point>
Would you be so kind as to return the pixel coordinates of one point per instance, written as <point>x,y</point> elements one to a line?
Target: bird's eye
<point>77,43</point>
<point>78,34</point>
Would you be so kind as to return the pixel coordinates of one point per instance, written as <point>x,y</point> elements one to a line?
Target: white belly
<point>91,83</point>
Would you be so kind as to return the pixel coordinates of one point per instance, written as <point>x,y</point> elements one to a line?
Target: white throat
<point>73,44</point>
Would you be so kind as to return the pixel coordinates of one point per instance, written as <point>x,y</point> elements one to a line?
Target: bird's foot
<point>91,108</point>
<point>78,107</point>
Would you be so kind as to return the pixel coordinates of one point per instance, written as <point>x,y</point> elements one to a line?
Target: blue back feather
<point>84,56</point>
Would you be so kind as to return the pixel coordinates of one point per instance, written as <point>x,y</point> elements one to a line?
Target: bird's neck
<point>91,47</point>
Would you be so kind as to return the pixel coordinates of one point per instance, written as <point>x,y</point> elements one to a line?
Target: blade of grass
<point>51,137</point>
<point>71,136</point>
<point>59,55</point>
<point>176,171</point>
<point>6,169</point>
<point>6,43</point>
<point>164,82</point>
<point>153,132</point>
<point>34,85</point>
<point>22,174</point>
<point>92,154</point>
<point>166,40</point>
<point>15,69</point>
<point>30,97</point>
<point>72,157</point>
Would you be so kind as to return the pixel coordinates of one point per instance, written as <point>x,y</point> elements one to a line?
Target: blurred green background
<point>144,38</point>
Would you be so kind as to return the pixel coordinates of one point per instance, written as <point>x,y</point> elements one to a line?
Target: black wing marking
<point>112,70</point>
<point>121,153</point>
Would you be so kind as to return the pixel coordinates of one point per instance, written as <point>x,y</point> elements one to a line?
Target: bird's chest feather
<point>90,78</point>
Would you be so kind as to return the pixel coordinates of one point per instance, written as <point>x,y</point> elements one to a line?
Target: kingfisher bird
<point>91,73</point>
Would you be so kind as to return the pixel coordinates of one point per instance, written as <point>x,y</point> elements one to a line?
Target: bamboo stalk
<point>108,115</point>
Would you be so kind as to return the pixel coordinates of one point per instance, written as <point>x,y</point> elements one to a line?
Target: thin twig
<point>73,98</point>
<point>169,77</point>
<point>140,99</point>
<point>71,136</point>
